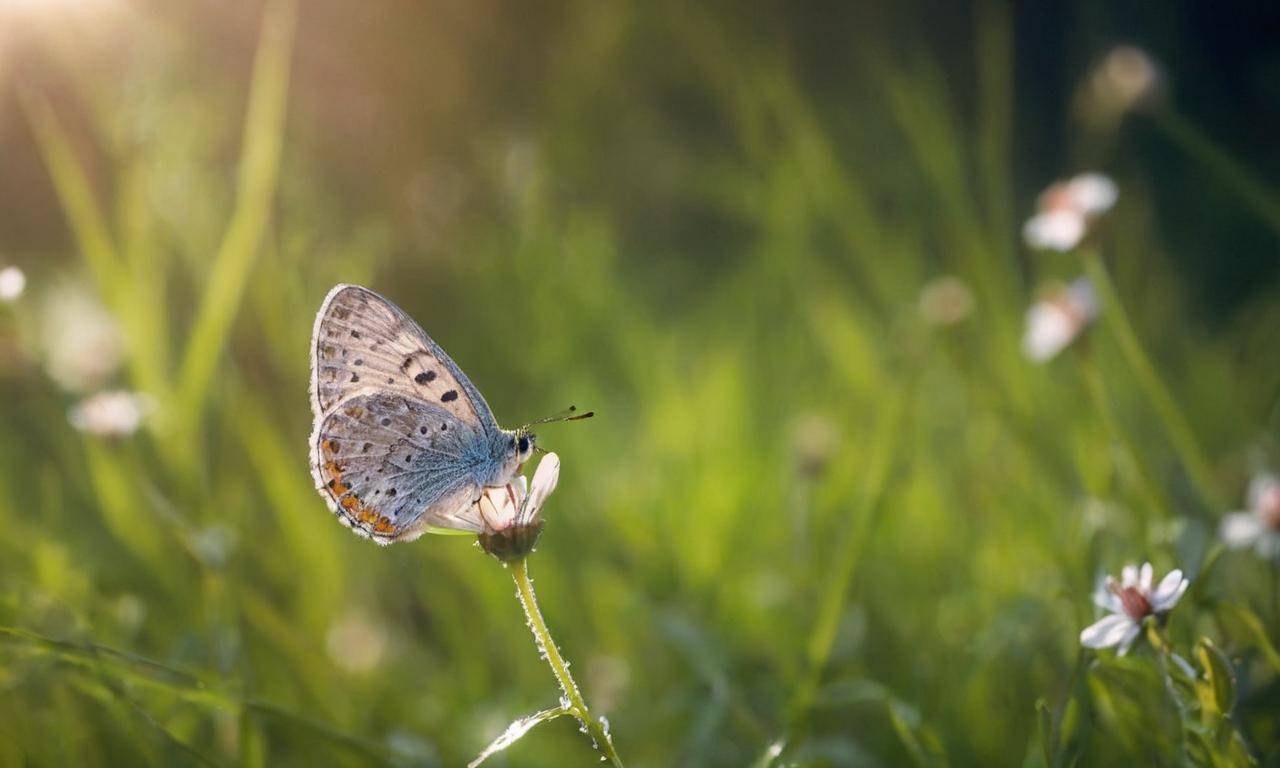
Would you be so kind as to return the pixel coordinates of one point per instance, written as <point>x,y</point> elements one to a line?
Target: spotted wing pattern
<point>362,341</point>
<point>399,429</point>
<point>390,466</point>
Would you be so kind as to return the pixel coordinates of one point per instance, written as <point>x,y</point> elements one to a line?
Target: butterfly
<point>403,442</point>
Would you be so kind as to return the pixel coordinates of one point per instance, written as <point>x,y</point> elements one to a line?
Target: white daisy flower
<point>1129,602</point>
<point>1065,211</point>
<point>1259,525</point>
<point>12,283</point>
<point>110,414</point>
<point>1056,320</point>
<point>512,512</point>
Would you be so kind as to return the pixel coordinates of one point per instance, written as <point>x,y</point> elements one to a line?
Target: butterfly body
<point>403,442</point>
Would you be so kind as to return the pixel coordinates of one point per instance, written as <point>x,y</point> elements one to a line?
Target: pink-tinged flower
<point>110,414</point>
<point>1066,210</point>
<point>1129,602</point>
<point>1058,318</point>
<point>1259,525</point>
<point>512,512</point>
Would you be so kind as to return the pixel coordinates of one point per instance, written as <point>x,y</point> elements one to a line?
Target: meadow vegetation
<point>814,522</point>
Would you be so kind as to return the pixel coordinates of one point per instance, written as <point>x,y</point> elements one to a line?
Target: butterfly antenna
<point>568,414</point>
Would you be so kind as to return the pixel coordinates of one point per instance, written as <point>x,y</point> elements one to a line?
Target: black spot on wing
<point>449,396</point>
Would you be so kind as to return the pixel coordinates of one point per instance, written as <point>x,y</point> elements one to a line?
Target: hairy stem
<point>547,647</point>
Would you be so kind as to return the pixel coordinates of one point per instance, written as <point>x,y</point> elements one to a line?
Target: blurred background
<point>845,498</point>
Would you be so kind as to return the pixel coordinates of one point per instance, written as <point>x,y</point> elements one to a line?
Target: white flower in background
<point>83,345</point>
<point>1259,525</point>
<point>12,283</point>
<point>945,301</point>
<point>355,642</point>
<point>1057,319</point>
<point>511,515</point>
<point>110,414</point>
<point>1129,602</point>
<point>1126,78</point>
<point>1066,209</point>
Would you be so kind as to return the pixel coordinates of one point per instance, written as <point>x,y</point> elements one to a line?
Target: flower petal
<point>1169,591</point>
<point>490,514</point>
<point>1130,635</point>
<point>1049,329</point>
<point>544,482</point>
<point>1092,193</point>
<point>1145,577</point>
<point>1129,576</point>
<point>1104,598</point>
<point>1055,230</point>
<point>1106,632</point>
<point>1241,529</point>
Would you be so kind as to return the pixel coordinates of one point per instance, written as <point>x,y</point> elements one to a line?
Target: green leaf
<point>1045,719</point>
<point>1219,675</point>
<point>515,732</point>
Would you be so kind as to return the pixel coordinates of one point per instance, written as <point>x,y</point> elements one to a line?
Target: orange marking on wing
<point>355,411</point>
<point>383,525</point>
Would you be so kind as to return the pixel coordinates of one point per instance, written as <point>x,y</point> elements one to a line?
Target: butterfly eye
<point>524,444</point>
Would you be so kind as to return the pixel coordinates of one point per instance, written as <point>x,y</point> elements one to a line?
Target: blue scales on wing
<point>370,364</point>
<point>391,466</point>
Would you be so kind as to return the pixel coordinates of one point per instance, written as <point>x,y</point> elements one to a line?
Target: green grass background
<point>801,517</point>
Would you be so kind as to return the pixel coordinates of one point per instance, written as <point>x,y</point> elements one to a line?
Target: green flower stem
<point>577,706</point>
<point>1180,434</point>
<point>1230,172</point>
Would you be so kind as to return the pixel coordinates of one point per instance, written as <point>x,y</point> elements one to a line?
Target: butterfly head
<point>524,443</point>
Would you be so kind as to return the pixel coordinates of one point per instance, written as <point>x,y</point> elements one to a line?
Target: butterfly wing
<point>362,341</point>
<point>391,466</point>
<point>397,423</point>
